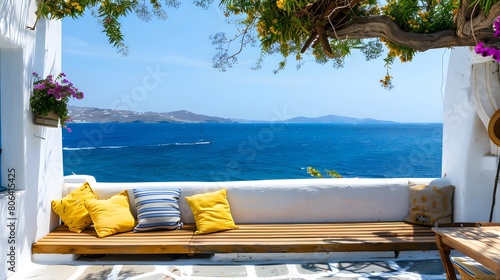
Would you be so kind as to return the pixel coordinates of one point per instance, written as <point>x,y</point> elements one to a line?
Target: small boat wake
<point>185,143</point>
<point>153,145</point>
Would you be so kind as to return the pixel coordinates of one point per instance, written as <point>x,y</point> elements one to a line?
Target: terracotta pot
<point>51,119</point>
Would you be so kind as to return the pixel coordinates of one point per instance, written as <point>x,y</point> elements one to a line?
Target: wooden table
<point>481,243</point>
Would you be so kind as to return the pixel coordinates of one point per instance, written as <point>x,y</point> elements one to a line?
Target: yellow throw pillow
<point>111,215</point>
<point>430,205</point>
<point>211,212</point>
<point>71,208</point>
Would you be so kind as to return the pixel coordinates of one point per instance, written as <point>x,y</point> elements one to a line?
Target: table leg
<point>444,252</point>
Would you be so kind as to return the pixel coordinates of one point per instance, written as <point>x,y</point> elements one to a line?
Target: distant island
<point>99,115</point>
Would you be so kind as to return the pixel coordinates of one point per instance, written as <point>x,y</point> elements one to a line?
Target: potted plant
<point>49,101</point>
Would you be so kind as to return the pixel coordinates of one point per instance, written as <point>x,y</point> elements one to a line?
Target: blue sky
<point>169,68</point>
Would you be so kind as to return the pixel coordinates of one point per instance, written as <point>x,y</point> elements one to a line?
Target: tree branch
<point>481,20</point>
<point>323,39</point>
<point>460,17</point>
<point>384,27</point>
<point>309,41</point>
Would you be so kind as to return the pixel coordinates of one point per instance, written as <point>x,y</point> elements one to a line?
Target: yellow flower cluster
<point>413,25</point>
<point>387,8</point>
<point>423,15</point>
<point>273,30</point>
<point>71,7</point>
<point>261,29</point>
<point>280,3</point>
<point>396,51</point>
<point>386,81</point>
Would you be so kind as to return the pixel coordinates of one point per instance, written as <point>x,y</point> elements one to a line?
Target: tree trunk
<point>384,27</point>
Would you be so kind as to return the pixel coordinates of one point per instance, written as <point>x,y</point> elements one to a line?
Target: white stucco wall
<point>467,159</point>
<point>286,201</point>
<point>30,152</point>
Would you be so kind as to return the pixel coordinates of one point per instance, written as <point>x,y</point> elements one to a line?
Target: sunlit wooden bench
<point>274,216</point>
<point>248,238</point>
<point>63,241</point>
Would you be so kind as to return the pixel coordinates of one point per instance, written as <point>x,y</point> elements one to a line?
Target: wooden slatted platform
<point>331,237</point>
<point>63,241</point>
<point>248,238</point>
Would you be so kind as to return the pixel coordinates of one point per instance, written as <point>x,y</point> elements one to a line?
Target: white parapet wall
<point>286,201</point>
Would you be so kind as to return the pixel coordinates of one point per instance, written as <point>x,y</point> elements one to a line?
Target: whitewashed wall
<point>467,155</point>
<point>286,200</point>
<point>33,152</point>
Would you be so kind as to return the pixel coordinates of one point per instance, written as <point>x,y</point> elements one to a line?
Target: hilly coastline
<point>98,115</point>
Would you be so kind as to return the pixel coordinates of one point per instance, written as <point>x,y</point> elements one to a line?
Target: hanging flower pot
<point>49,101</point>
<point>51,119</point>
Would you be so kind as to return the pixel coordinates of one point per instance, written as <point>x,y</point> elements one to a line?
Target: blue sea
<point>160,152</point>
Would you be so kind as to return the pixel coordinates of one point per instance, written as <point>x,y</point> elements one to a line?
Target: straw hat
<point>494,128</point>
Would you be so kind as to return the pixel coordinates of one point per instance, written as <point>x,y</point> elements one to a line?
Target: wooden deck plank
<point>248,238</point>
<point>282,238</point>
<point>62,241</point>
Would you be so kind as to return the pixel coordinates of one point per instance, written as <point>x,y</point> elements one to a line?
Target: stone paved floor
<point>237,267</point>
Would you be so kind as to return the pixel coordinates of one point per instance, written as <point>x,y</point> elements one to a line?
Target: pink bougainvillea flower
<point>487,50</point>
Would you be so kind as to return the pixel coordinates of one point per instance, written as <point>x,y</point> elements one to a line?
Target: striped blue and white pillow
<point>157,209</point>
